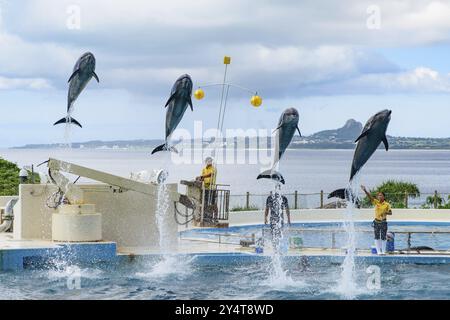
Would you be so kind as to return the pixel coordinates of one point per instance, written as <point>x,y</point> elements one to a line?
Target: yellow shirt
<point>381,209</point>
<point>210,181</point>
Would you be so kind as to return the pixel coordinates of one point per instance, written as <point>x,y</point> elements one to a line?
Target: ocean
<point>305,171</point>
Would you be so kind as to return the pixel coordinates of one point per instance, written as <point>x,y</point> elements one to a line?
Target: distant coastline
<point>342,138</point>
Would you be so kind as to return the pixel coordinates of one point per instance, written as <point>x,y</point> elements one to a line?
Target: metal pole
<point>321,199</point>
<point>435,199</point>
<point>406,199</point>
<point>409,241</point>
<point>248,201</point>
<point>296,200</point>
<point>32,174</point>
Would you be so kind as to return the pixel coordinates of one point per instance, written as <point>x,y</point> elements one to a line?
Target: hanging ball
<point>199,94</point>
<point>256,101</point>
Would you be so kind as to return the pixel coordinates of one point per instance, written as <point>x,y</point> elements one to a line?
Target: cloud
<point>15,83</point>
<point>288,51</point>
<point>421,80</point>
<point>283,48</point>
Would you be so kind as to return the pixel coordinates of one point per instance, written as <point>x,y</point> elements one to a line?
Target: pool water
<point>227,277</point>
<point>185,279</point>
<point>312,238</point>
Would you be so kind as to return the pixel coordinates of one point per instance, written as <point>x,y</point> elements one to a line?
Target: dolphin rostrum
<point>287,126</point>
<point>373,134</point>
<point>83,72</point>
<point>180,99</point>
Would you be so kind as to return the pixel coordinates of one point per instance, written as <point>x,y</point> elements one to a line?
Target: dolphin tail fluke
<point>164,147</point>
<point>339,193</point>
<point>272,174</point>
<point>68,120</point>
<point>345,194</point>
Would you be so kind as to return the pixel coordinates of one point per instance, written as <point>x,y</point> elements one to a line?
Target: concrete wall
<point>128,218</point>
<point>323,215</point>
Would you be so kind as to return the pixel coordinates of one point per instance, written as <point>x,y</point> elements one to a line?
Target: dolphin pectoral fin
<point>190,103</point>
<point>299,132</point>
<point>386,143</point>
<point>276,129</point>
<point>272,174</point>
<point>95,76</point>
<point>73,75</point>
<point>172,97</point>
<point>365,133</point>
<point>68,120</point>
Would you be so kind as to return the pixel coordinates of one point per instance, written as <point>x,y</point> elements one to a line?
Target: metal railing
<point>253,201</point>
<point>215,203</point>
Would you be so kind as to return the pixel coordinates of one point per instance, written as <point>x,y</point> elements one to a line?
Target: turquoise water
<point>231,277</point>
<point>145,280</point>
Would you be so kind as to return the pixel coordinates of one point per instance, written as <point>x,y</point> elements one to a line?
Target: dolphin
<point>373,134</point>
<point>180,99</point>
<point>83,72</point>
<point>287,126</point>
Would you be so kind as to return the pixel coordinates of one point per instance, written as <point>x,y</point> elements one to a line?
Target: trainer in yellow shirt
<point>209,174</point>
<point>382,209</point>
<point>380,226</point>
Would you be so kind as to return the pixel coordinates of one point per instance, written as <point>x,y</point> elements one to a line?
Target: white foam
<point>167,266</point>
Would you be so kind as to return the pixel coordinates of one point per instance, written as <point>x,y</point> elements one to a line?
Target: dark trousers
<point>380,228</point>
<point>210,205</point>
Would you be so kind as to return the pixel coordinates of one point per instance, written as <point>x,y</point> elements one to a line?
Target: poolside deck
<point>211,251</point>
<point>17,255</point>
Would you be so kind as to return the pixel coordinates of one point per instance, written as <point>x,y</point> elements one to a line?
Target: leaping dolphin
<point>373,134</point>
<point>287,126</point>
<point>83,72</point>
<point>180,98</point>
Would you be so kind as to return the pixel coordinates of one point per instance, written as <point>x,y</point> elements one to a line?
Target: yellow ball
<point>199,94</point>
<point>256,101</point>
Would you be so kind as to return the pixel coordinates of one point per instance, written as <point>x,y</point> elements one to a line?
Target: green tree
<point>9,178</point>
<point>395,192</point>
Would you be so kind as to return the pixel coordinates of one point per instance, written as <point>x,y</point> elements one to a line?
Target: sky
<point>332,60</point>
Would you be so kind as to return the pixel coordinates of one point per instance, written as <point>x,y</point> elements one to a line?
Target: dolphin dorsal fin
<point>73,75</point>
<point>386,143</point>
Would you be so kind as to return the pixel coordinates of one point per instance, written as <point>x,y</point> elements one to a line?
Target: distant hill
<point>350,131</point>
<point>344,138</point>
<point>341,138</point>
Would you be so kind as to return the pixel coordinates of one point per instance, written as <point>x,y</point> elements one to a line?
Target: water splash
<point>167,266</point>
<point>278,277</point>
<point>162,215</point>
<point>347,285</point>
<point>68,130</point>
